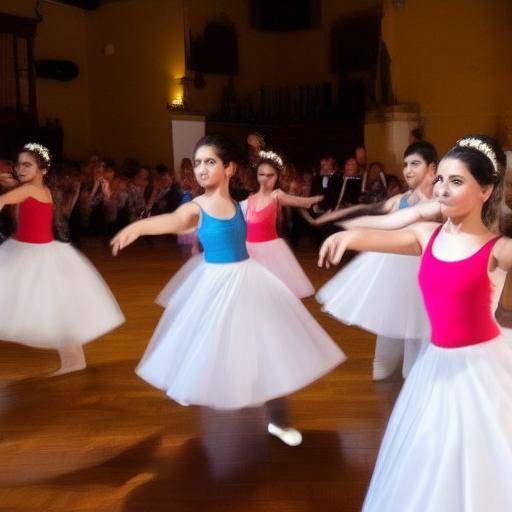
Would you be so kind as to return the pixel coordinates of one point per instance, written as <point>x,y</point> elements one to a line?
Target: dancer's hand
<point>333,249</point>
<point>125,237</point>
<point>315,200</point>
<point>7,181</point>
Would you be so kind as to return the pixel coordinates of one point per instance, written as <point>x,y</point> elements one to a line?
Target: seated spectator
<point>297,229</point>
<point>186,171</point>
<point>94,195</point>
<point>90,196</point>
<point>362,160</point>
<point>327,183</point>
<point>350,185</point>
<point>164,195</point>
<point>129,167</point>
<point>189,186</point>
<point>307,181</point>
<point>374,184</point>
<point>70,185</point>
<point>138,190</point>
<point>188,242</point>
<point>68,189</point>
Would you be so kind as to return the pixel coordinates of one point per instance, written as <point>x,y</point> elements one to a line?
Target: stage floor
<point>103,440</point>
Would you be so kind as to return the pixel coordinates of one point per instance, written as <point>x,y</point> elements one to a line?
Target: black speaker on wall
<point>88,5</point>
<point>215,50</point>
<point>355,43</point>
<point>284,15</point>
<point>62,70</point>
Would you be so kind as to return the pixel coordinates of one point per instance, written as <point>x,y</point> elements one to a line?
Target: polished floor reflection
<point>103,440</point>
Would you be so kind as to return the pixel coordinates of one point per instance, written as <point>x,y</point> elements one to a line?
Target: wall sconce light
<point>176,104</point>
<point>179,101</point>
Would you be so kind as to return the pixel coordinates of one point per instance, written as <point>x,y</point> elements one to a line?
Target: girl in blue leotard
<point>232,334</point>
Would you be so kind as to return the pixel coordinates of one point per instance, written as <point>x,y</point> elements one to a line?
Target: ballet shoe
<point>69,368</point>
<point>289,436</point>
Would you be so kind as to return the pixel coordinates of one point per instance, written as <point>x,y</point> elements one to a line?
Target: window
<point>17,87</point>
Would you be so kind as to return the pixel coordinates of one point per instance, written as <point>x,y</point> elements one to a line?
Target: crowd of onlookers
<point>97,197</point>
<point>355,181</point>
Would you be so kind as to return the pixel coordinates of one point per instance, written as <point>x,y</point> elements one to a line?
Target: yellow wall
<point>63,35</point>
<point>129,89</point>
<point>269,58</point>
<point>453,58</point>
<point>60,35</point>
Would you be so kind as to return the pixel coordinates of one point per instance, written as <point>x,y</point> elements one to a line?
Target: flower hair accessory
<point>40,150</point>
<point>483,147</point>
<point>273,157</point>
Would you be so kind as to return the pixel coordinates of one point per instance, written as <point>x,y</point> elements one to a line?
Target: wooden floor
<point>104,440</point>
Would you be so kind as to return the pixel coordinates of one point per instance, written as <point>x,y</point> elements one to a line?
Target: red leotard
<point>35,222</point>
<point>261,224</point>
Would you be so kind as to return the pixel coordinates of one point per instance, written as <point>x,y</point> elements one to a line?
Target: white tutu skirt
<point>51,296</point>
<point>448,444</point>
<point>234,336</point>
<point>276,256</point>
<point>380,293</point>
<point>178,279</point>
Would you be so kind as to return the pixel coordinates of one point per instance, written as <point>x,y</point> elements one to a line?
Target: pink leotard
<point>35,222</point>
<point>458,297</point>
<point>261,224</point>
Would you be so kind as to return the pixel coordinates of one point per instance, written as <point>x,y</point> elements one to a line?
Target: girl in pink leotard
<point>448,444</point>
<point>263,242</point>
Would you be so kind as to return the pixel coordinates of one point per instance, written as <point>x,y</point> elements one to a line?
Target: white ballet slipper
<point>289,436</point>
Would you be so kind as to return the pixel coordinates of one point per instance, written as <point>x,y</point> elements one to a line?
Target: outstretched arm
<point>297,201</point>
<point>357,210</point>
<point>427,211</point>
<point>405,241</point>
<point>17,195</point>
<point>183,219</point>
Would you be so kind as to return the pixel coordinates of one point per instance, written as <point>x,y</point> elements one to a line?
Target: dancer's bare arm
<point>408,241</point>
<point>428,211</point>
<point>296,201</point>
<point>19,194</point>
<point>184,218</point>
<point>357,210</point>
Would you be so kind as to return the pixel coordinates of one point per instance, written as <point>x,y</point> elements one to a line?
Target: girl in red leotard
<point>51,296</point>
